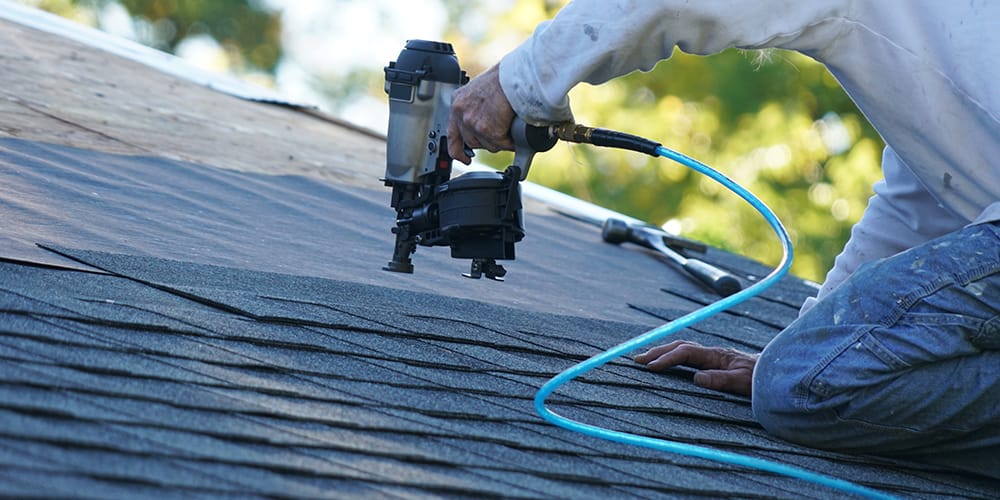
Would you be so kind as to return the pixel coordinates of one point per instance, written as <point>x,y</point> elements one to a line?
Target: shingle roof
<point>170,328</point>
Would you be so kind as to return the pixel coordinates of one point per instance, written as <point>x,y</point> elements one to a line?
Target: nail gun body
<point>478,214</point>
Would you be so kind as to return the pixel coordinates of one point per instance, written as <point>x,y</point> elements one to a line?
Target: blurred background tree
<point>249,31</point>
<point>780,125</point>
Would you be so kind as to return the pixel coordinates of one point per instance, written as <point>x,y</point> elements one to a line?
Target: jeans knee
<point>776,399</point>
<point>783,400</point>
<point>781,407</point>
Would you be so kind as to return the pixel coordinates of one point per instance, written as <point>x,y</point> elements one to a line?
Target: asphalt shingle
<point>200,332</point>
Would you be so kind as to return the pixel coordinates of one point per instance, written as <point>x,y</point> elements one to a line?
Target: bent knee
<point>782,401</point>
<point>777,402</point>
<point>782,410</point>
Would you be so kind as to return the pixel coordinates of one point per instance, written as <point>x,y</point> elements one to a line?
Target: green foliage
<point>249,32</point>
<point>242,27</point>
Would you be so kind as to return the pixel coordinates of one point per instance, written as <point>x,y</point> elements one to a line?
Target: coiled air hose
<point>614,139</point>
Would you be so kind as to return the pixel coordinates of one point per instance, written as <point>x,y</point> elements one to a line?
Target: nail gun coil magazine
<point>480,215</point>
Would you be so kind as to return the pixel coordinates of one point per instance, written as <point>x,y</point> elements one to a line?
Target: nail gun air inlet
<point>579,133</point>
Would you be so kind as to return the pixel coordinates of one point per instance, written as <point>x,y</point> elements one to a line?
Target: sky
<point>328,37</point>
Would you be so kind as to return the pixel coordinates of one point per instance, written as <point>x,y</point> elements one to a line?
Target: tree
<point>248,30</point>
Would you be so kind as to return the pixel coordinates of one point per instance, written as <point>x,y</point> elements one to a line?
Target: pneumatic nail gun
<point>477,214</point>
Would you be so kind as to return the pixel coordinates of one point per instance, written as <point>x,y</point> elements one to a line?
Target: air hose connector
<point>572,132</point>
<point>606,138</point>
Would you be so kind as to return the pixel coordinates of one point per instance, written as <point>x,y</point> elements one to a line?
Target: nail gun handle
<point>723,283</point>
<point>528,140</point>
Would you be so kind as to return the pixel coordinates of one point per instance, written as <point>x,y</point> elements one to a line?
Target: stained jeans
<point>903,359</point>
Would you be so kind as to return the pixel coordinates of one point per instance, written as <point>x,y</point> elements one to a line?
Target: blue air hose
<point>602,137</point>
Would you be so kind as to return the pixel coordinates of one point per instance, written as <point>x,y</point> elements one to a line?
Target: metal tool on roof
<point>477,214</point>
<point>618,231</point>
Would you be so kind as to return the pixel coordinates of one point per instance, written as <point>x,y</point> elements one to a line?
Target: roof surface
<point>191,304</point>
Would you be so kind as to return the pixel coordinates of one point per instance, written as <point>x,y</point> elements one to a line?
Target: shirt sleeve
<point>902,214</point>
<point>594,41</point>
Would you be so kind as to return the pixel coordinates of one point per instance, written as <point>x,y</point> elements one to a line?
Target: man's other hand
<point>721,369</point>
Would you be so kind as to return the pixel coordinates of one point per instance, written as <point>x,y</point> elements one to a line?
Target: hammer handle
<point>722,282</point>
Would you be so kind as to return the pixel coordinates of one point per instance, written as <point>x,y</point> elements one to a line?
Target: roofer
<point>899,353</point>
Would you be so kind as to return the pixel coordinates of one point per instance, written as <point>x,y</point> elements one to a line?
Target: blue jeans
<point>903,359</point>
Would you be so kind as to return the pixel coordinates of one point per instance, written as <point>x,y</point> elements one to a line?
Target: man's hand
<point>720,368</point>
<point>480,117</point>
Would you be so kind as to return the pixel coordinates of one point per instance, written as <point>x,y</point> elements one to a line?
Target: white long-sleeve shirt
<point>926,74</point>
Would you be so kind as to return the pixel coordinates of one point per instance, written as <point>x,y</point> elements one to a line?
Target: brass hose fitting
<point>572,132</point>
